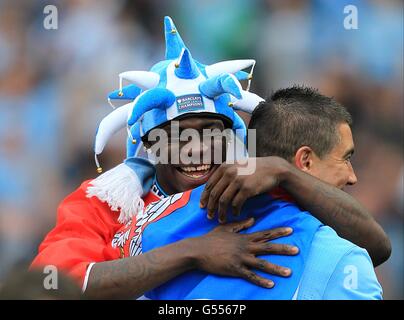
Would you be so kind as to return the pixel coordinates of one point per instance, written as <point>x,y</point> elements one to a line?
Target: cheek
<point>339,175</point>
<point>219,147</point>
<point>330,173</point>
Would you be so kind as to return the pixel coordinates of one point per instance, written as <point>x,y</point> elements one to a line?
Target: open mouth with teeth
<point>196,171</point>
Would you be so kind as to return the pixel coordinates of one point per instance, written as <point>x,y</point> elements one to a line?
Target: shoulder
<point>78,211</point>
<point>327,238</point>
<point>339,269</point>
<point>79,199</point>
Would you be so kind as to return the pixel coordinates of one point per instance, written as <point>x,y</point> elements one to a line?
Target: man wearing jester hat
<point>182,93</point>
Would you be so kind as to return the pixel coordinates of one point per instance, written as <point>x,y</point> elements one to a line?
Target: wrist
<point>188,248</point>
<point>284,172</point>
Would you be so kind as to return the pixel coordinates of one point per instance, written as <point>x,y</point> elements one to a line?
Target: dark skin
<point>317,189</point>
<point>131,277</point>
<point>170,177</point>
<point>329,204</point>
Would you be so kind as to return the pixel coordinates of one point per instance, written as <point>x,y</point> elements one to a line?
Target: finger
<point>214,178</point>
<point>273,248</point>
<point>239,225</point>
<point>215,194</point>
<point>271,234</point>
<point>239,199</point>
<point>256,279</point>
<point>267,267</point>
<point>224,201</point>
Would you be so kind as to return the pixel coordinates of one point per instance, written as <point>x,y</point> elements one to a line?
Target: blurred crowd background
<point>54,84</point>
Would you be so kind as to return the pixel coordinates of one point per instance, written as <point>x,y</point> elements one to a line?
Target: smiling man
<point>189,151</point>
<point>177,89</point>
<point>312,133</point>
<point>98,230</point>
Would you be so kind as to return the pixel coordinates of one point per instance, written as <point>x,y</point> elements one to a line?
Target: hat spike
<point>174,43</point>
<point>99,168</point>
<point>248,102</point>
<point>186,67</point>
<point>143,79</point>
<point>112,123</point>
<point>230,66</point>
<point>155,98</point>
<point>216,86</point>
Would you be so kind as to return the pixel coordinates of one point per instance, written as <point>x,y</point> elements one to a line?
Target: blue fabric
<point>129,92</point>
<point>132,149</point>
<point>242,75</point>
<point>183,95</point>
<point>202,69</point>
<point>153,115</point>
<point>337,269</point>
<point>191,221</point>
<point>158,98</point>
<point>187,69</point>
<point>161,69</point>
<point>218,85</point>
<point>174,43</point>
<point>151,107</point>
<point>145,172</point>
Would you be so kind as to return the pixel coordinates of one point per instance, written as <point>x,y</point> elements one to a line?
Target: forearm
<point>338,210</point>
<point>131,277</point>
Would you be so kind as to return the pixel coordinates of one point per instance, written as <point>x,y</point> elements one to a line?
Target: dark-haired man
<point>116,274</point>
<point>178,88</point>
<point>295,132</point>
<point>312,133</point>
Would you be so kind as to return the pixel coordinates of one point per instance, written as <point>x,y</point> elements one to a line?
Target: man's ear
<point>304,157</point>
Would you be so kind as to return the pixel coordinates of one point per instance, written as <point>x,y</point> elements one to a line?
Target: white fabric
<point>143,79</point>
<point>231,66</point>
<point>111,124</point>
<point>121,189</point>
<point>182,87</point>
<point>248,103</point>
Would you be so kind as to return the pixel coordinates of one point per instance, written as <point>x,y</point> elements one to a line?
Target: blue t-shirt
<point>337,269</point>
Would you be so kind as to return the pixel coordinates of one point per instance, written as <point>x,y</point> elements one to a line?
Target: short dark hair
<point>295,117</point>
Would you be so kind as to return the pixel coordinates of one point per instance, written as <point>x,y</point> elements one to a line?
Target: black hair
<point>295,117</point>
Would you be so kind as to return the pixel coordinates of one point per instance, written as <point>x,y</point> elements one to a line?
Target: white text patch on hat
<point>189,102</point>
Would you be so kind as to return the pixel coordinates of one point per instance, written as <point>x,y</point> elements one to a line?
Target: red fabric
<point>128,238</point>
<point>279,193</point>
<point>83,233</point>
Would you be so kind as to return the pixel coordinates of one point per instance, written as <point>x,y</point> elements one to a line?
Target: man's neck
<point>158,190</point>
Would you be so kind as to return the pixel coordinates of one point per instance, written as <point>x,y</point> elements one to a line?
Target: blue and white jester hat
<point>173,88</point>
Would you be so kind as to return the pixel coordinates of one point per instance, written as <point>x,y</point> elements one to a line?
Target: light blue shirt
<point>337,269</point>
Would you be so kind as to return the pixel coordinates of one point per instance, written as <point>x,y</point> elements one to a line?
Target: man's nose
<point>195,149</point>
<point>352,179</point>
<point>197,146</point>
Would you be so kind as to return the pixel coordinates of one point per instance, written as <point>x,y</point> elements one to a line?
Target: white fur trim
<point>121,189</point>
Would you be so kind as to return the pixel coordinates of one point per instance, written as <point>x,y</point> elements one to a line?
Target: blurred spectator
<point>24,285</point>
